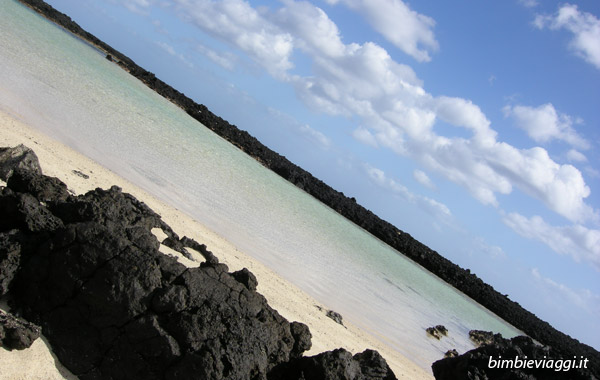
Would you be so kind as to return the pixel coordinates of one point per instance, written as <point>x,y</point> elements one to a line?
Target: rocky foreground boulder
<point>497,358</point>
<point>88,270</point>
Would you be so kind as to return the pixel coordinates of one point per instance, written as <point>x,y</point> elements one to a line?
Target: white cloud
<point>529,3</point>
<point>576,156</point>
<point>137,6</point>
<point>423,179</point>
<point>431,206</point>
<point>583,299</point>
<point>577,241</point>
<point>544,124</point>
<point>169,49</point>
<point>584,26</point>
<point>315,136</point>
<point>225,60</point>
<point>406,29</point>
<point>364,136</point>
<point>463,113</point>
<point>237,23</point>
<point>561,187</point>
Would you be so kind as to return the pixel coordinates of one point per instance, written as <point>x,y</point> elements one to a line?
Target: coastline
<point>60,161</point>
<point>464,281</point>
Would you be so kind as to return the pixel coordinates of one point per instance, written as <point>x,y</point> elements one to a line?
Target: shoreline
<point>71,167</point>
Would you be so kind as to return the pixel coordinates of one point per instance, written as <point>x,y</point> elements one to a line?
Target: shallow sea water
<point>67,89</point>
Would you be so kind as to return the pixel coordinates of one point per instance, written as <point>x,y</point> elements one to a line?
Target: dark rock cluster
<point>437,332</point>
<point>462,279</point>
<point>507,359</point>
<point>480,338</point>
<point>88,270</point>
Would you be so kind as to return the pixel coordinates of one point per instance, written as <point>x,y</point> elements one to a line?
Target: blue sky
<point>471,125</point>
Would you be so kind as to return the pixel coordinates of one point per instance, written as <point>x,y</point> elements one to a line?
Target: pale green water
<point>66,89</point>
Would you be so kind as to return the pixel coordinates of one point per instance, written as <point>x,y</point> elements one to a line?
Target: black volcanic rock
<point>437,332</point>
<point>44,188</point>
<point>87,269</point>
<point>337,317</point>
<point>489,361</point>
<point>338,364</point>
<point>116,308</point>
<point>16,333</point>
<point>480,337</point>
<point>10,256</point>
<point>19,157</point>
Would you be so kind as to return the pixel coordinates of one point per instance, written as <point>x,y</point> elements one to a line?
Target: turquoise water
<point>67,89</point>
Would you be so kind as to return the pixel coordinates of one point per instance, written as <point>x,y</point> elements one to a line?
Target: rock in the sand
<point>485,361</point>
<point>337,317</point>
<point>87,269</point>
<point>19,157</point>
<point>80,174</point>
<point>338,364</point>
<point>437,331</point>
<point>16,333</point>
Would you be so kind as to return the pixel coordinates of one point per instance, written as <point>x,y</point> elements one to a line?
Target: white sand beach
<point>60,161</point>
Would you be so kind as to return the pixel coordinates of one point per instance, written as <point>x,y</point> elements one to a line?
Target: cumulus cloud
<point>544,124</point>
<point>408,30</point>
<point>584,26</point>
<point>423,178</point>
<point>235,22</point>
<point>577,241</point>
<point>429,205</point>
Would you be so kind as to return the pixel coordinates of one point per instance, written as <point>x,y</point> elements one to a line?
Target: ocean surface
<point>67,89</point>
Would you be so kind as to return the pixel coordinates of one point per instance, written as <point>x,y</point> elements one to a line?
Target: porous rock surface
<point>476,364</point>
<point>87,269</point>
<point>16,333</point>
<point>338,364</point>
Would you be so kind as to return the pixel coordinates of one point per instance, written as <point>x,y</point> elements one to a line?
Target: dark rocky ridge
<point>461,279</point>
<point>87,269</point>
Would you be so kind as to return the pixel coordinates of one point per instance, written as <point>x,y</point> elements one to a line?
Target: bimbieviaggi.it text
<point>524,363</point>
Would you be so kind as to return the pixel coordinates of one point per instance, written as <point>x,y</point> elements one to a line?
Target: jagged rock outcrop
<point>19,157</point>
<point>505,359</point>
<point>88,270</point>
<point>16,333</point>
<point>335,365</point>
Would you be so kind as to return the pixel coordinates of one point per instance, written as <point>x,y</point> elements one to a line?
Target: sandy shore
<point>60,161</point>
